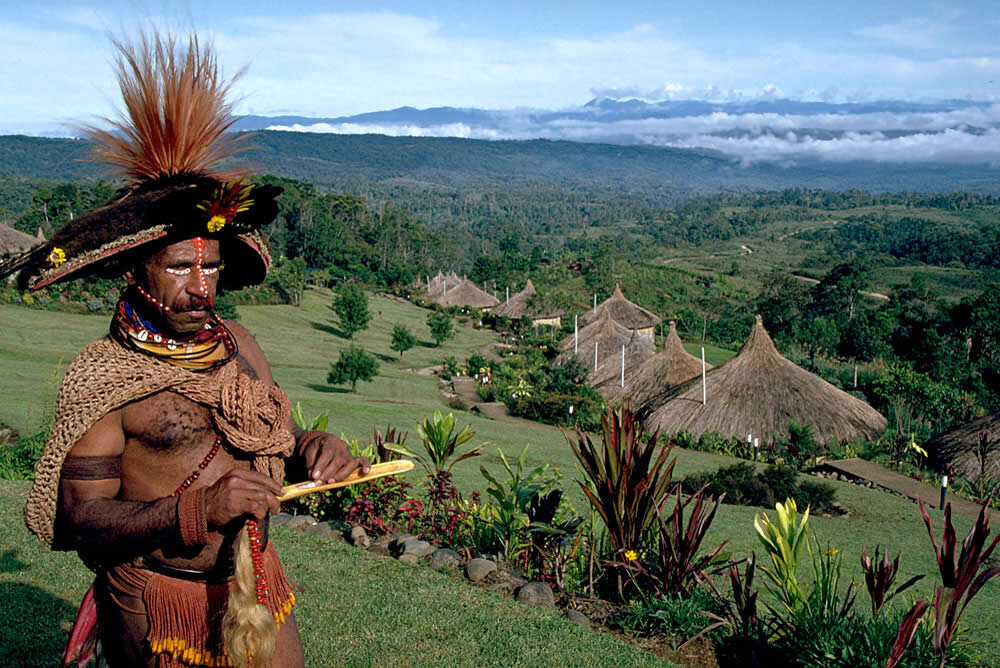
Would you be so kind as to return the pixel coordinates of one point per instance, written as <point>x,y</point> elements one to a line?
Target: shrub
<point>18,458</point>
<point>680,616</point>
<point>442,326</point>
<point>743,485</point>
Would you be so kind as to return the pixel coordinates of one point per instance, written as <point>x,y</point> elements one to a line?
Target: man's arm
<point>92,518</point>
<point>318,455</point>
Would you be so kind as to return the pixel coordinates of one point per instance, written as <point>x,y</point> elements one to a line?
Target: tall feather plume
<point>176,112</point>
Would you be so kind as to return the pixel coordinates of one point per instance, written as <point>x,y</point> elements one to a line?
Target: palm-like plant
<point>629,479</point>
<point>784,542</point>
<point>440,442</point>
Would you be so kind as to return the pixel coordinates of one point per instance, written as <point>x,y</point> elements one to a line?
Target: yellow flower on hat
<point>56,257</point>
<point>216,223</point>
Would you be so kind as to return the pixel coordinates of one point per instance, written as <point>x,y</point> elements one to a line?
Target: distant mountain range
<point>355,163</point>
<point>780,131</point>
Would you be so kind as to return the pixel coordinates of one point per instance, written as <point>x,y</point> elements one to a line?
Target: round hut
<point>626,313</point>
<point>958,448</point>
<point>465,293</point>
<point>525,303</point>
<point>14,241</point>
<point>760,392</point>
<point>667,369</point>
<point>609,337</point>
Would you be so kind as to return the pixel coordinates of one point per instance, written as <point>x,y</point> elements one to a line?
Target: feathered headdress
<point>167,146</point>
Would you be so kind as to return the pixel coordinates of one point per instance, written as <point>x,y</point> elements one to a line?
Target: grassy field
<point>300,343</point>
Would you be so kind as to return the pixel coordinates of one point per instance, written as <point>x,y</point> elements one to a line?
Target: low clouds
<point>966,135</point>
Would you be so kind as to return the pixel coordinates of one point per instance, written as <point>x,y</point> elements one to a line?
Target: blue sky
<point>334,59</point>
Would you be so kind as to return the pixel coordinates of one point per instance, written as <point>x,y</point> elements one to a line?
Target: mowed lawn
<point>300,343</point>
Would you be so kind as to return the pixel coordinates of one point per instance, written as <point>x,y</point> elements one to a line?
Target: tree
<point>351,306</point>
<point>442,326</point>
<point>289,278</point>
<point>354,364</point>
<point>402,339</point>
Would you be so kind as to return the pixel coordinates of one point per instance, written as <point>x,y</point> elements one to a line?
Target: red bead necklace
<point>253,526</point>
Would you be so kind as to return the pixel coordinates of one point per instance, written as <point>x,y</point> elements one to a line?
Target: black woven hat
<point>166,145</point>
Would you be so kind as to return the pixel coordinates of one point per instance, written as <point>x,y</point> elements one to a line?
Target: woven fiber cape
<point>250,414</point>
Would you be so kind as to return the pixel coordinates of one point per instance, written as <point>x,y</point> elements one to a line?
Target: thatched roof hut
<point>668,368</point>
<point>441,284</point>
<point>525,303</point>
<point>759,392</point>
<point>14,241</point>
<point>609,337</point>
<point>624,313</point>
<point>465,293</point>
<point>956,448</point>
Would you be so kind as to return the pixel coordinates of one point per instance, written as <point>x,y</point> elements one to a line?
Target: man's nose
<point>197,283</point>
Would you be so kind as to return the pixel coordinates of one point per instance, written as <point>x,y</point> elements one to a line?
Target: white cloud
<point>917,33</point>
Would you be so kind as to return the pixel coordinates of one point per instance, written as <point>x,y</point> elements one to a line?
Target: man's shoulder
<point>250,350</point>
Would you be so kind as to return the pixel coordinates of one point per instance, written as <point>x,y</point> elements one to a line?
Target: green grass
<point>357,609</point>
<point>32,344</point>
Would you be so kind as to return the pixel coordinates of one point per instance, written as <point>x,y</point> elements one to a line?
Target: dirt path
<point>813,281</point>
<point>860,469</point>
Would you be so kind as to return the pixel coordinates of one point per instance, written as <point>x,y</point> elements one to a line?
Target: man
<point>170,439</point>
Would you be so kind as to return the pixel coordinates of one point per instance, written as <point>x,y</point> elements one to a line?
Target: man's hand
<point>239,493</point>
<point>327,458</point>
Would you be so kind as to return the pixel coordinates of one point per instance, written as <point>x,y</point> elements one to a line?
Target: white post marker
<point>750,445</point>
<point>855,376</point>
<point>595,356</point>
<point>595,302</point>
<point>704,387</point>
<point>576,333</point>
<point>944,490</point>
<point>756,448</point>
<point>623,366</point>
<point>508,295</point>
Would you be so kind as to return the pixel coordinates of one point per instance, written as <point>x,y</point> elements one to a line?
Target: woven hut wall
<point>956,448</point>
<point>759,392</point>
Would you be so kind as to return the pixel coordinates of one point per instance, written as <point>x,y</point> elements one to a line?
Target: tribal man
<point>170,438</point>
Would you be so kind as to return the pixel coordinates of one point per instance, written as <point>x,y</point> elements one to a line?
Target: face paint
<point>152,300</point>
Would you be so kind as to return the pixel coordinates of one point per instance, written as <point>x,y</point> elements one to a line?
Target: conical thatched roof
<point>14,241</point>
<point>759,392</point>
<point>663,371</point>
<point>521,305</point>
<point>442,284</point>
<point>623,311</point>
<point>956,448</point>
<point>609,337</point>
<point>465,293</point>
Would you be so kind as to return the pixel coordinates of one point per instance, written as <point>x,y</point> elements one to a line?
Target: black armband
<point>104,467</point>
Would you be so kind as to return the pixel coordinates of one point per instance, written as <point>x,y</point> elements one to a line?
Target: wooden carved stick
<point>377,471</point>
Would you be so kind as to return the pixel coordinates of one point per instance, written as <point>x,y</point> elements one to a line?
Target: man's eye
<point>208,271</point>
<point>179,271</point>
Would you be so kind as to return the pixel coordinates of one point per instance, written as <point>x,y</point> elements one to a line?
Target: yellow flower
<point>56,257</point>
<point>631,555</point>
<point>832,552</point>
<point>216,223</point>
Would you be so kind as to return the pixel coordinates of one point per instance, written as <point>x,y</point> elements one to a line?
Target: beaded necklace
<point>253,526</point>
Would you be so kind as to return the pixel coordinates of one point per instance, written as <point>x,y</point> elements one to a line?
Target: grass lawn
<point>463,627</point>
<point>357,609</point>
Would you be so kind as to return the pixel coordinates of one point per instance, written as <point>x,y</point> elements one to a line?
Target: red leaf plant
<point>880,576</point>
<point>960,580</point>
<point>629,479</point>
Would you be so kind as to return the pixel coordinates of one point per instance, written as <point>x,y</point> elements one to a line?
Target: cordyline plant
<point>440,441</point>
<point>381,441</point>
<point>677,566</point>
<point>960,581</point>
<point>880,576</point>
<point>740,614</point>
<point>784,542</point>
<point>630,478</point>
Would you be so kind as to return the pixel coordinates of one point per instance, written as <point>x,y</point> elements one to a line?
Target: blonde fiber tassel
<point>249,629</point>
